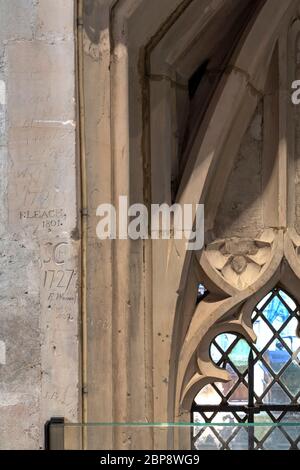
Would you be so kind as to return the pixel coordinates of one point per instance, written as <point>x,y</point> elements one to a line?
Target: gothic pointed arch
<point>207,119</point>
<point>251,231</point>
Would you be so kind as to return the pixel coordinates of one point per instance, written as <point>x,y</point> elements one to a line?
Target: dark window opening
<point>196,78</point>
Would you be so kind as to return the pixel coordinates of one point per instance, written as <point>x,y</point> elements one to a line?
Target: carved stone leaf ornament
<point>239,261</point>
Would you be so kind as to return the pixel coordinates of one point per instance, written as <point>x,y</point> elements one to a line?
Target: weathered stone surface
<point>40,83</point>
<point>39,360</point>
<point>147,341</point>
<point>56,22</point>
<point>241,212</point>
<point>16,20</point>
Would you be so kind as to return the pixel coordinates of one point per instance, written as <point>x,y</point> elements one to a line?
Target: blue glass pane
<point>276,312</point>
<point>288,300</point>
<point>225,340</point>
<point>276,356</point>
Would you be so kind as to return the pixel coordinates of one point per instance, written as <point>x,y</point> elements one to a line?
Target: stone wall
<point>39,232</point>
<point>143,330</point>
<point>241,210</point>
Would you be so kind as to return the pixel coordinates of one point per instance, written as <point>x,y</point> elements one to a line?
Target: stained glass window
<point>264,383</point>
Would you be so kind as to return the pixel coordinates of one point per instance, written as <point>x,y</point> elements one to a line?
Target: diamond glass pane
<point>276,312</point>
<point>208,440</point>
<point>208,396</point>
<point>239,355</point>
<point>224,417</point>
<point>262,378</point>
<point>275,356</point>
<point>276,396</point>
<point>292,431</point>
<point>240,441</point>
<point>277,441</point>
<point>296,356</point>
<point>225,387</point>
<point>215,353</point>
<point>290,303</point>
<point>261,431</point>
<point>263,301</point>
<point>289,335</point>
<point>241,417</point>
<point>239,395</point>
<point>225,340</point>
<point>291,378</point>
<point>263,333</point>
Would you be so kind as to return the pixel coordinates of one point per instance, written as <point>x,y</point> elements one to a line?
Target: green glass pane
<point>291,378</point>
<point>239,355</point>
<point>261,431</point>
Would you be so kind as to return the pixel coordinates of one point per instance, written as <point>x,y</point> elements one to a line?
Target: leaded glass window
<point>264,385</point>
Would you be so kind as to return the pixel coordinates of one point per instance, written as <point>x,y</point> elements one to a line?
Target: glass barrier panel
<point>222,435</point>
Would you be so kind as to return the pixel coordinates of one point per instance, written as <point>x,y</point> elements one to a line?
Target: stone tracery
<point>239,269</point>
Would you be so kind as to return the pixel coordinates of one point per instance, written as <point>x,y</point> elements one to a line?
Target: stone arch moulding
<point>120,387</point>
<point>239,272</point>
<point>169,66</point>
<point>143,66</point>
<point>211,153</point>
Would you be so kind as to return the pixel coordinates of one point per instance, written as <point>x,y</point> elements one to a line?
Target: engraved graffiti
<point>59,277</point>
